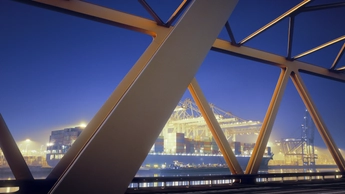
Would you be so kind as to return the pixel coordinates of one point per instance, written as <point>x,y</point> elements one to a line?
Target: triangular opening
<point>246,97</point>
<point>71,90</point>
<point>310,34</point>
<point>297,144</point>
<point>328,96</point>
<point>328,56</point>
<point>5,170</point>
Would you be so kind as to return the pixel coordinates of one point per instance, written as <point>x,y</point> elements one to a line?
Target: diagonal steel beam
<point>177,12</point>
<point>152,12</point>
<point>337,59</point>
<point>273,22</point>
<point>12,154</point>
<point>320,125</point>
<point>265,132</point>
<point>115,146</point>
<point>320,47</point>
<point>214,127</point>
<point>231,34</point>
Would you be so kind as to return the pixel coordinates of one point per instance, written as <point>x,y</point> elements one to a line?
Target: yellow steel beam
<point>320,47</point>
<point>117,18</point>
<point>276,60</point>
<point>320,125</point>
<point>261,142</point>
<point>214,127</point>
<point>287,13</point>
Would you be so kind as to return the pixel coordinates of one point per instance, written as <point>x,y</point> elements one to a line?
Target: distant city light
<point>82,125</point>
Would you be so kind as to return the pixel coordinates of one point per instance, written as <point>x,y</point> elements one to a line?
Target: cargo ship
<point>166,151</point>
<point>185,138</point>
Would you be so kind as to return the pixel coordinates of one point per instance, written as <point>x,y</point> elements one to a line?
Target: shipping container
<point>237,148</point>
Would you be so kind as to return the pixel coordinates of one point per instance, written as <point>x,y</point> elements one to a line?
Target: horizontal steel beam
<point>276,60</point>
<point>100,14</point>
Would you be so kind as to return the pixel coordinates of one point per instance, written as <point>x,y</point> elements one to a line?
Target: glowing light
<point>82,125</point>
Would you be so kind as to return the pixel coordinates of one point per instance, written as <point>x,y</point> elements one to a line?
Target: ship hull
<point>198,160</point>
<point>159,160</point>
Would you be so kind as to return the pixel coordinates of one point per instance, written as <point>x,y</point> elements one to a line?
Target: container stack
<point>180,143</point>
<point>248,148</point>
<point>237,146</point>
<point>207,147</point>
<point>199,146</point>
<point>214,147</point>
<point>190,149</point>
<point>174,143</point>
<point>159,145</point>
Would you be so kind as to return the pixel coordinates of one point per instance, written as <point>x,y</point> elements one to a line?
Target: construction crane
<point>187,119</point>
<point>308,151</point>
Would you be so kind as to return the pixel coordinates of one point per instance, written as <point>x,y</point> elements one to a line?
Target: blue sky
<point>57,70</point>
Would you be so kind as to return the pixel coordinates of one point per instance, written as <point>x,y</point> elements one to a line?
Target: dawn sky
<point>56,70</point>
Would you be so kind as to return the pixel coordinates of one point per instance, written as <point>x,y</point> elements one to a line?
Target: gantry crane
<point>187,119</point>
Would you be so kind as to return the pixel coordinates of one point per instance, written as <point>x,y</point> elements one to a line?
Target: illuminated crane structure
<point>187,119</point>
<point>301,149</point>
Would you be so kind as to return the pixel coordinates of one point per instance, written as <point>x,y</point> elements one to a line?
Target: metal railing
<point>218,181</point>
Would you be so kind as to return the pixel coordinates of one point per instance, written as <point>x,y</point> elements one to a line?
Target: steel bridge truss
<point>157,67</point>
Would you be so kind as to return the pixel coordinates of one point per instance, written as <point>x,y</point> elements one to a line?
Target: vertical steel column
<point>266,128</point>
<point>12,154</point>
<point>326,136</point>
<point>214,127</point>
<point>290,35</point>
<point>143,102</point>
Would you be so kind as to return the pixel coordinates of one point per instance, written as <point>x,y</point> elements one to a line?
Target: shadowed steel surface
<point>320,125</point>
<point>12,153</point>
<point>155,83</point>
<point>214,127</point>
<point>265,132</point>
<point>337,59</point>
<point>290,35</point>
